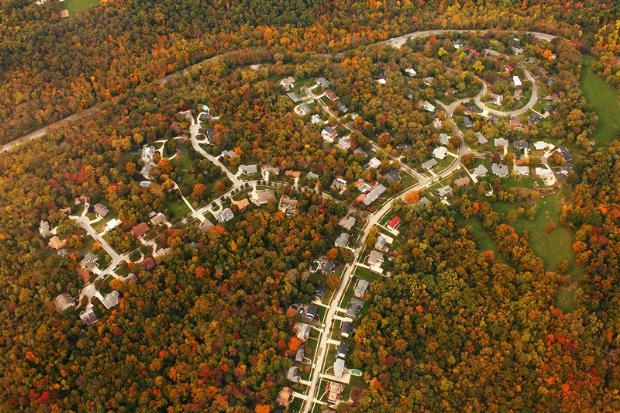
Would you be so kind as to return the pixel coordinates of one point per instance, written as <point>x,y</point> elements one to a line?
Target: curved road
<point>396,42</point>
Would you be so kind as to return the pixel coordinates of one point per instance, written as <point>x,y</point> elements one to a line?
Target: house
<point>248,169</point>
<point>110,300</point>
<point>462,181</point>
<point>508,68</point>
<point>360,288</point>
<point>518,94</point>
<point>428,81</point>
<point>497,142</point>
<point>88,317</point>
<point>89,261</point>
<point>428,106</point>
<point>566,169</point>
<point>44,229</point>
<point>480,171</point>
<point>342,349</point>
<point>481,138</point>
<point>111,224</point>
<point>411,71</point>
<point>445,191</point>
<point>375,258</point>
<point>287,205</point>
<point>394,223</point>
<point>382,243</point>
<point>341,107</point>
<point>314,119</point>
<point>517,50</point>
<point>521,170</point>
<point>458,44</point>
<point>311,312</point>
<point>360,153</point>
<point>302,110</point>
<point>312,176</point>
<point>437,123</point>
<point>546,175</point>
<point>424,201</point>
<point>520,144</point>
<point>499,170</point>
<point>284,397</point>
<point>444,138</point>
<point>101,210</point>
<point>392,176</point>
<point>294,97</point>
<point>299,354</point>
<point>449,92</point>
<point>331,95</point>
<point>328,267</point>
<point>205,225</point>
<point>287,83</point>
<point>347,223</point>
<point>224,215</point>
<point>497,98</point>
<point>344,143</point>
<point>293,374</point>
<point>82,199</point>
<point>517,81</point>
<point>241,204</point>
<point>429,164</point>
<point>467,122</point>
<point>321,81</point>
<point>147,263</point>
<point>262,196</point>
<point>374,193</point>
<point>354,307</point>
<point>229,154</point>
<point>342,240</point>
<point>440,152</point>
<point>381,81</point>
<point>271,170</point>
<point>346,329</point>
<point>329,134</point>
<point>158,219</point>
<point>565,153</point>
<point>373,163</point>
<point>63,301</point>
<point>303,331</point>
<point>334,391</point>
<point>541,145</point>
<point>139,230</point>
<point>319,291</point>
<point>64,13</point>
<point>56,243</point>
<point>338,367</point>
<point>339,184</point>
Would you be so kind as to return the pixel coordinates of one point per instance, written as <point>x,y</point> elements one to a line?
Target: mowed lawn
<point>604,99</point>
<point>554,246</point>
<point>79,5</point>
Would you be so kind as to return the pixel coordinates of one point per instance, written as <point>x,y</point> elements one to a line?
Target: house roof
<point>284,396</point>
<point>375,257</point>
<point>360,288</point>
<point>248,169</point>
<point>88,317</point>
<point>347,222</point>
<point>342,240</point>
<point>63,301</point>
<point>101,210</point>
<point>374,193</point>
<point>224,215</point>
<point>158,219</point>
<point>480,170</point>
<point>429,164</point>
<point>394,222</point>
<point>139,230</point>
<point>440,152</point>
<point>262,196</point>
<point>205,225</point>
<point>56,243</point>
<point>445,190</point>
<point>242,204</point>
<point>499,170</point>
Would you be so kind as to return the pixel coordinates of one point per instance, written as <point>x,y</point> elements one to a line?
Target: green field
<point>79,5</point>
<point>484,240</point>
<point>604,99</point>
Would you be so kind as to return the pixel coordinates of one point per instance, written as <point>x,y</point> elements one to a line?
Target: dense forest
<point>455,328</point>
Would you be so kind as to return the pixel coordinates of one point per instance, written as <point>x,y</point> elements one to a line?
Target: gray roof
<point>429,164</point>
<point>342,240</point>
<point>248,169</point>
<point>224,215</point>
<point>374,193</point>
<point>360,287</point>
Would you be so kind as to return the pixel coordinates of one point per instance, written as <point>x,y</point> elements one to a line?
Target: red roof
<point>147,263</point>
<point>394,222</point>
<point>139,230</point>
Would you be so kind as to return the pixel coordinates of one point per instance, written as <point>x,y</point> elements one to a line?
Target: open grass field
<point>79,5</point>
<point>604,99</point>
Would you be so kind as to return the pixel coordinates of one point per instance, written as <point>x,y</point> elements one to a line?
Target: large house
<point>287,83</point>
<point>374,193</point>
<point>360,288</point>
<point>139,230</point>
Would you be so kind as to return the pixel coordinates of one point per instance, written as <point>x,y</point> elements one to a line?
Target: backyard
<point>605,100</point>
<point>79,5</point>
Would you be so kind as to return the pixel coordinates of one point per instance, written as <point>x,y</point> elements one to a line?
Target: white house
<point>287,83</point>
<point>411,71</point>
<point>517,81</point>
<point>428,106</point>
<point>440,152</point>
<point>521,170</point>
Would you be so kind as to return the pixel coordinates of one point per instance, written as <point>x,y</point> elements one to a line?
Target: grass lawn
<point>604,99</point>
<point>79,5</point>
<point>484,239</point>
<point>556,245</point>
<point>178,209</point>
<point>366,274</point>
